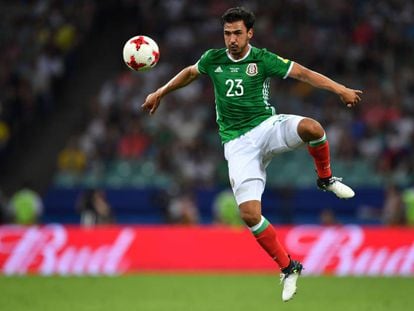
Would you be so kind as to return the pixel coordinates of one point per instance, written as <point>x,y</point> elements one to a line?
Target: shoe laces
<point>325,183</point>
<point>333,179</point>
<point>284,276</point>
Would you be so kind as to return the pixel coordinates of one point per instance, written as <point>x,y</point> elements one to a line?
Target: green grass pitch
<point>203,292</point>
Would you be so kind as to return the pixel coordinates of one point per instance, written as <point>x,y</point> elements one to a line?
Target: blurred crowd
<point>367,45</point>
<point>38,40</point>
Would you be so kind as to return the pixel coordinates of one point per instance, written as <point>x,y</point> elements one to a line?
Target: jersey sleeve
<point>276,65</point>
<point>203,62</point>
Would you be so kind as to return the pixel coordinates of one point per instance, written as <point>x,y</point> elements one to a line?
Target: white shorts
<point>249,155</point>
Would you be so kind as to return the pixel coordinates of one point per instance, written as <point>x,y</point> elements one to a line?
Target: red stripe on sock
<point>321,158</point>
<point>270,243</point>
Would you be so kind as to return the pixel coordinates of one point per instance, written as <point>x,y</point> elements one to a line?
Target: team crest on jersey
<point>251,69</point>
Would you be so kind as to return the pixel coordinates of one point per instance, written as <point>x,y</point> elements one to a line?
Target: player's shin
<point>319,150</point>
<point>266,236</point>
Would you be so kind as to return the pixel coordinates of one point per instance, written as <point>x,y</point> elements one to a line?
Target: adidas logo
<point>218,69</point>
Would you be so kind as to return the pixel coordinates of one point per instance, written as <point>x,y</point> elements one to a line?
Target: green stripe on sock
<point>262,228</point>
<point>318,142</point>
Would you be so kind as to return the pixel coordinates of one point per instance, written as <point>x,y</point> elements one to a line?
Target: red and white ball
<point>141,53</point>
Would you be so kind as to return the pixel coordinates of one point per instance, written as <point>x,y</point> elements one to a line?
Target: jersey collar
<point>238,60</point>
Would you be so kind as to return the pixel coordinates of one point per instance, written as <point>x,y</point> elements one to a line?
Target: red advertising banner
<point>62,250</point>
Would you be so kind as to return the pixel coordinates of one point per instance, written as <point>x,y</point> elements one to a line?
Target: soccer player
<point>250,130</point>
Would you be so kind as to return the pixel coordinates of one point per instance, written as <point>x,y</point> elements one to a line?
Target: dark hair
<point>239,14</point>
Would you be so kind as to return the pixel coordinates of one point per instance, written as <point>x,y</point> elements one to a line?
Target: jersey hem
<point>243,132</point>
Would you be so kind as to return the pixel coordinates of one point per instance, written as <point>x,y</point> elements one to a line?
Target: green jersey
<point>242,87</point>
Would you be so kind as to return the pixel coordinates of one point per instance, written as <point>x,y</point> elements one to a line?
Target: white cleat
<point>335,185</point>
<point>289,280</point>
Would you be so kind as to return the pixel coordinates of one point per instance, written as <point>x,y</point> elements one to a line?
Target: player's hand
<point>350,97</point>
<point>152,102</point>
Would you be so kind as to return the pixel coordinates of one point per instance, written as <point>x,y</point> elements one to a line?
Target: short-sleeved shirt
<point>242,87</point>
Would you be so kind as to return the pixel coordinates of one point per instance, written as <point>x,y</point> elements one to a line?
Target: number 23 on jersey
<point>235,87</point>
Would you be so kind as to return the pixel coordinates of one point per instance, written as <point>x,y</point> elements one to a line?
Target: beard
<point>235,50</point>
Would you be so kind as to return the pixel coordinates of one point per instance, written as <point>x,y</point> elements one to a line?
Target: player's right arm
<point>183,78</point>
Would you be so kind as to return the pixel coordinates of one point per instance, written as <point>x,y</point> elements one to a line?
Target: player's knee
<point>250,215</point>
<point>250,219</point>
<point>309,129</point>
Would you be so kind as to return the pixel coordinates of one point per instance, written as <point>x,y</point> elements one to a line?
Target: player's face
<point>236,38</point>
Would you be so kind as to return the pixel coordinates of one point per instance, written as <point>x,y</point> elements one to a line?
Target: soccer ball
<point>141,53</point>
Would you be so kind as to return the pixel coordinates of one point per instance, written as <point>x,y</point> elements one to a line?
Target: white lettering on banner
<point>49,247</point>
<point>51,239</point>
<point>19,254</point>
<point>64,265</point>
<point>342,249</point>
<point>348,240</point>
<point>116,252</point>
<point>80,264</point>
<point>407,266</point>
<point>32,243</point>
<point>394,261</point>
<point>339,250</point>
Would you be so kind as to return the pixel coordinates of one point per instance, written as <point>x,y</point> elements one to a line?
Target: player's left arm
<point>349,96</point>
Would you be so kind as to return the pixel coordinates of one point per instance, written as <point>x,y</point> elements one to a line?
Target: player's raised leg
<point>318,146</point>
